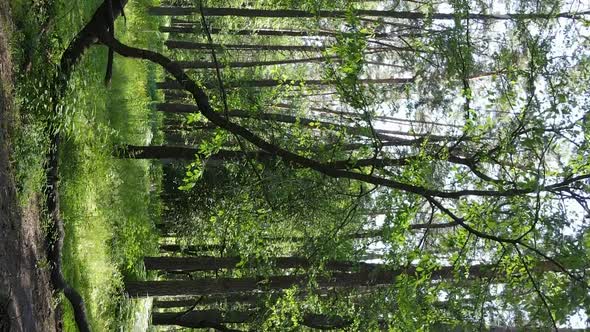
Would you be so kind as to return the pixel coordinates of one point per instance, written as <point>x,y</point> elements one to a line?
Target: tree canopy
<point>436,149</point>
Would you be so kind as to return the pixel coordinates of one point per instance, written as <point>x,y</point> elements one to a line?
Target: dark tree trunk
<point>215,318</point>
<point>383,134</point>
<point>210,65</point>
<point>194,27</point>
<point>246,298</point>
<point>187,45</point>
<point>282,13</point>
<point>358,115</point>
<point>403,30</point>
<point>88,36</point>
<point>207,286</point>
<point>175,95</point>
<point>265,83</point>
<point>210,263</point>
<point>189,153</point>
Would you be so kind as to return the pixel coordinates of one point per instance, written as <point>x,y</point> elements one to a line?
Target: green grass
<point>108,205</point>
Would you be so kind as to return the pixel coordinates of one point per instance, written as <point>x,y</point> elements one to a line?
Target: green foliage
<point>286,313</point>
<point>347,68</point>
<point>108,205</point>
<point>480,154</point>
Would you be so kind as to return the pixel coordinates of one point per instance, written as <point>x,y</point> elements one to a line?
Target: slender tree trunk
<point>249,64</point>
<point>282,118</point>
<point>283,13</point>
<point>238,64</point>
<point>210,263</point>
<point>214,318</point>
<point>194,27</point>
<point>403,30</point>
<point>383,134</point>
<point>357,115</point>
<point>262,83</point>
<point>188,45</point>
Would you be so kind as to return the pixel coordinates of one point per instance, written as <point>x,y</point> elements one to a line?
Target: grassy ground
<point>108,204</point>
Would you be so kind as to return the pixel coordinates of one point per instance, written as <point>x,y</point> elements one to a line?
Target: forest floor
<point>26,300</point>
<point>108,205</point>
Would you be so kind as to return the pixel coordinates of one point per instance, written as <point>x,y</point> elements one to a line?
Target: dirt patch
<point>26,301</point>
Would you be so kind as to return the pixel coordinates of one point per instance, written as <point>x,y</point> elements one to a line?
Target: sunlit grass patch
<point>108,204</point>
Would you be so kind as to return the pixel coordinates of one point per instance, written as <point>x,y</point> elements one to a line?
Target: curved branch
<point>537,289</point>
<point>202,101</point>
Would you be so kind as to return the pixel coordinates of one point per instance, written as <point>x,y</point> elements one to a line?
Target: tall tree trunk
<point>194,27</point>
<point>188,45</point>
<point>210,263</point>
<point>213,318</point>
<point>189,153</point>
<point>202,318</point>
<point>248,64</point>
<point>243,298</point>
<point>207,286</point>
<point>407,15</point>
<point>358,115</point>
<point>402,30</point>
<point>383,134</point>
<point>265,83</point>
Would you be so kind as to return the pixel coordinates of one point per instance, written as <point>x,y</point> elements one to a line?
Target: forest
<point>283,165</point>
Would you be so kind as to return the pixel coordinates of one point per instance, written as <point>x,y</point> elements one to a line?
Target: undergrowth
<point>108,204</point>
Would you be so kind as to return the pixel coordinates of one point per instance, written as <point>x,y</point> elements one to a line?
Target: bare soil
<point>26,297</point>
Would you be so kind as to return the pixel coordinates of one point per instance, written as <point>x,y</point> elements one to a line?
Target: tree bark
<point>383,134</point>
<point>207,286</point>
<point>190,153</point>
<point>406,15</point>
<point>194,27</point>
<point>244,298</point>
<point>357,115</point>
<point>266,83</point>
<point>210,263</point>
<point>212,318</point>
<point>239,64</point>
<point>188,45</point>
